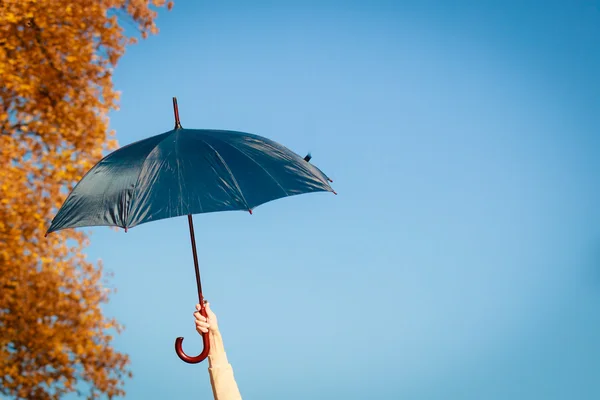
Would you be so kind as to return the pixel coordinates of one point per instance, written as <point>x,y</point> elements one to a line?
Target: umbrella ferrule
<point>176,112</point>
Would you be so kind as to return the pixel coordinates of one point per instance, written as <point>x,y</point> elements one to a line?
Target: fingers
<point>200,317</point>
<point>206,305</point>
<point>202,326</point>
<point>202,322</point>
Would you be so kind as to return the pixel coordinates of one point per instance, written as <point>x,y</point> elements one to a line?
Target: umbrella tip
<point>307,157</point>
<point>250,211</point>
<point>176,112</point>
<point>125,229</point>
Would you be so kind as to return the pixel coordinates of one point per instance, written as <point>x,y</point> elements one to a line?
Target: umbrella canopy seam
<point>254,161</point>
<point>235,182</point>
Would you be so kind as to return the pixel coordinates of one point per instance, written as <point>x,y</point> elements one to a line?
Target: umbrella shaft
<point>195,253</point>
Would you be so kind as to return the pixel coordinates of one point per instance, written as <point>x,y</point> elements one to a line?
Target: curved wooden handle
<point>200,357</point>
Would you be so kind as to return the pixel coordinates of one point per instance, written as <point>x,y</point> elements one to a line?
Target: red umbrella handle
<point>205,351</point>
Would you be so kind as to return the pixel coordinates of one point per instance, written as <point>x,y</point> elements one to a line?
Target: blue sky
<point>460,259</point>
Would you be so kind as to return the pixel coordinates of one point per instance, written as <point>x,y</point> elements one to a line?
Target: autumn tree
<point>56,62</point>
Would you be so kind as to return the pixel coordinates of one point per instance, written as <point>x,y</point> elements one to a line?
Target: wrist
<point>216,340</point>
<point>216,355</point>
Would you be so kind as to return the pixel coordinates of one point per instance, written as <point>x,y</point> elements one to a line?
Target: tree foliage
<point>56,63</point>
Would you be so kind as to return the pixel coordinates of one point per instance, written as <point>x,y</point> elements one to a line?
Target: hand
<point>204,325</point>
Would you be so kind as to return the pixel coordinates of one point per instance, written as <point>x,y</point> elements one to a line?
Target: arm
<point>220,371</point>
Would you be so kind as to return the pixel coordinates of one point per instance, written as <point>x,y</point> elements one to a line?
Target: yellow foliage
<point>56,62</point>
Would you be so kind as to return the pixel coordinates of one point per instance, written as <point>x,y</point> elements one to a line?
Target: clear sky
<point>460,259</point>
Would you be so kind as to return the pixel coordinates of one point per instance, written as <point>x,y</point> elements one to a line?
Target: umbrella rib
<point>235,182</point>
<point>255,162</point>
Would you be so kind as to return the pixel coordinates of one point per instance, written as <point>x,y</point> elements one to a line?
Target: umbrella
<point>185,172</point>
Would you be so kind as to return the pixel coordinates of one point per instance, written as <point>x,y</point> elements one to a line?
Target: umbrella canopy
<point>185,172</point>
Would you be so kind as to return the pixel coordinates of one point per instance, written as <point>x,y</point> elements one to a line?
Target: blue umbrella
<point>185,172</point>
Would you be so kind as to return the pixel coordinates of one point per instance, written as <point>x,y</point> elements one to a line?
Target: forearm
<point>216,356</point>
<point>220,371</point>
